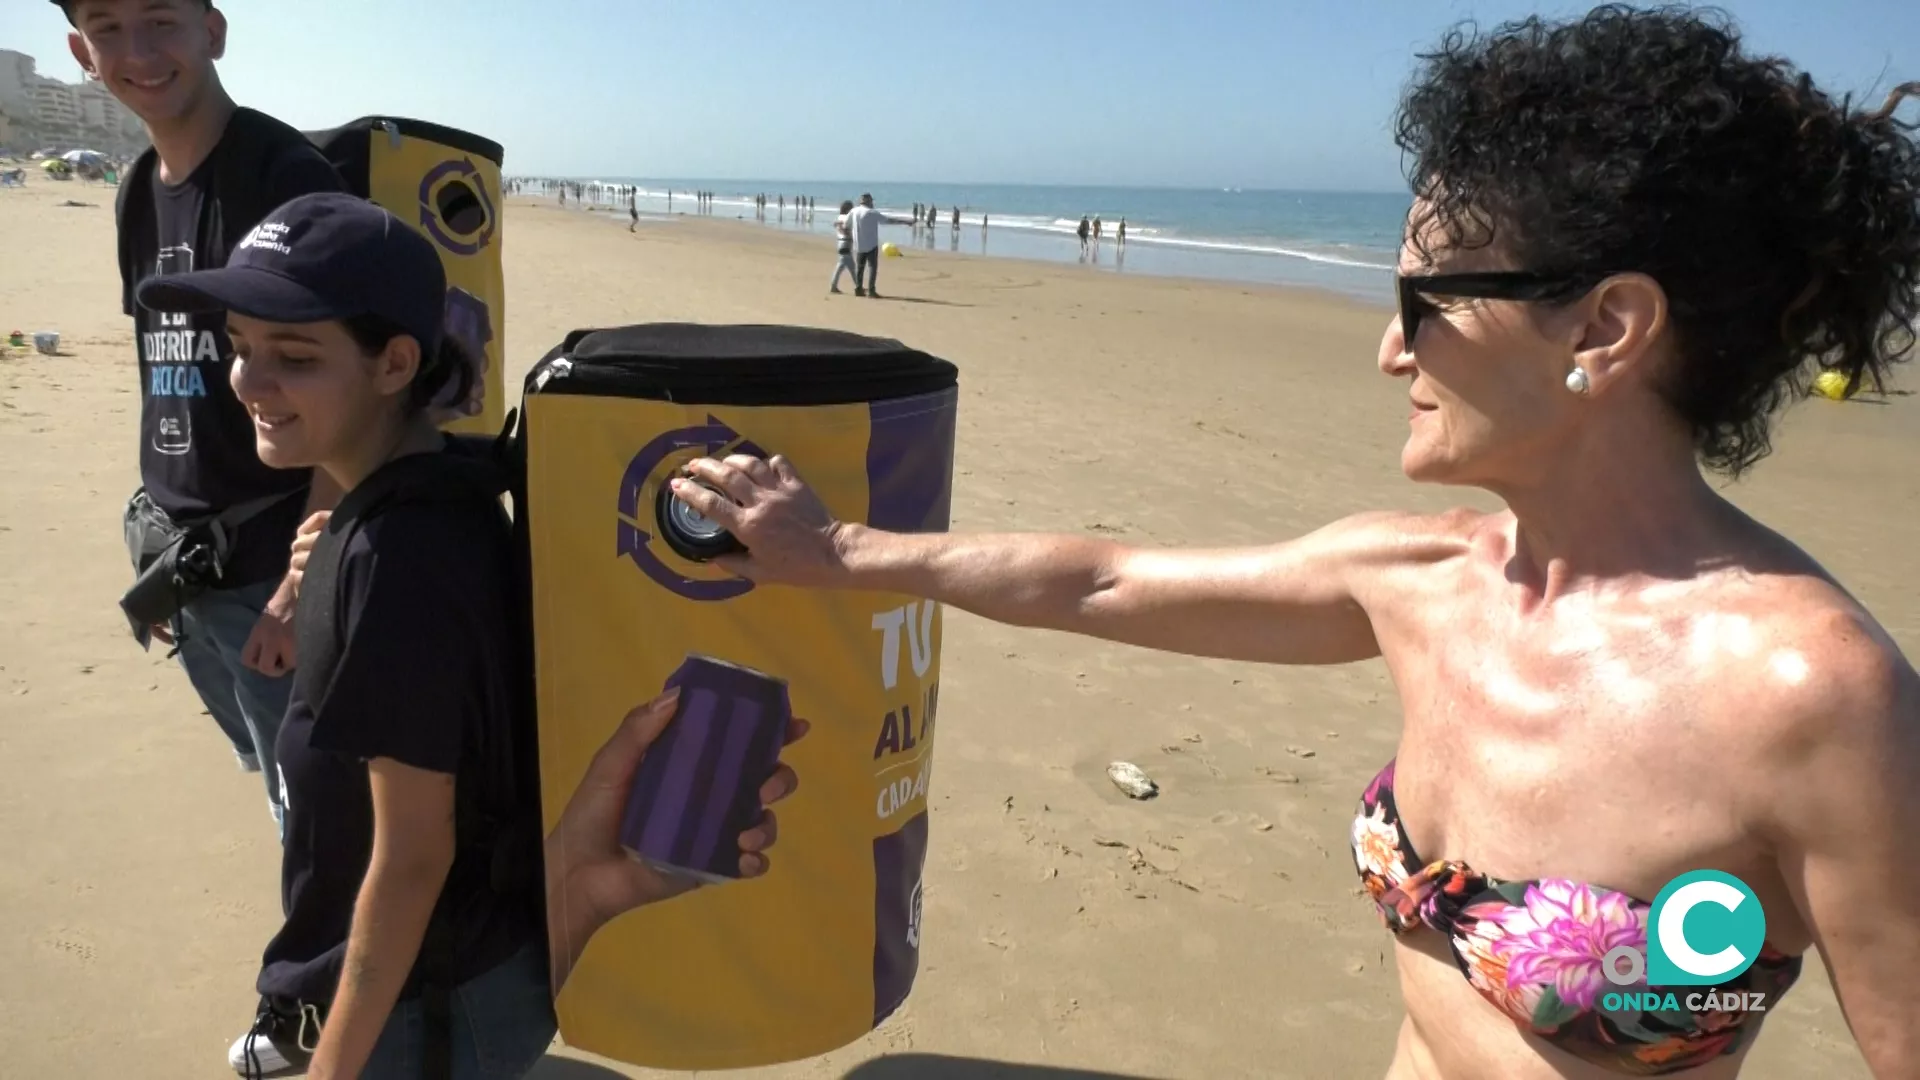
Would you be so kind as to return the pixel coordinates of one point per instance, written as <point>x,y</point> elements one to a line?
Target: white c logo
<point>1673,934</point>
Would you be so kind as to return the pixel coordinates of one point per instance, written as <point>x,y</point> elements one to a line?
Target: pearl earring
<point>1577,380</point>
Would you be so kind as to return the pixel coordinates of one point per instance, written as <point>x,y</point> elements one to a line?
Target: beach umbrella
<point>83,157</point>
<point>54,165</point>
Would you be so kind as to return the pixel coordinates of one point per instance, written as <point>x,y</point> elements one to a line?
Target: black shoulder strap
<point>252,145</point>
<point>419,478</point>
<point>515,818</point>
<point>316,631</point>
<point>132,212</point>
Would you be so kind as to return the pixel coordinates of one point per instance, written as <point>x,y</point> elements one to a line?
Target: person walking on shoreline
<point>843,231</point>
<point>864,225</point>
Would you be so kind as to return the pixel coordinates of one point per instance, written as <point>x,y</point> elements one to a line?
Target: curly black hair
<point>1783,226</point>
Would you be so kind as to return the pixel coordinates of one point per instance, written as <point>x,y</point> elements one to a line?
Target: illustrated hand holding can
<point>699,786</point>
<point>594,875</point>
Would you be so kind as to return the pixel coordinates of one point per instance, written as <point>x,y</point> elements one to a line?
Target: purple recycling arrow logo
<point>634,542</point>
<point>476,225</point>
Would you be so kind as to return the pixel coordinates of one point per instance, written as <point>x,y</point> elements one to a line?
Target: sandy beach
<point>1214,932</point>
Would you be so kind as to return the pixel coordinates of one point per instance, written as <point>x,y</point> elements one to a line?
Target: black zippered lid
<point>464,141</point>
<point>702,364</point>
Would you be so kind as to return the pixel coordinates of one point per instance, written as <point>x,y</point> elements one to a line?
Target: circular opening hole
<point>460,208</point>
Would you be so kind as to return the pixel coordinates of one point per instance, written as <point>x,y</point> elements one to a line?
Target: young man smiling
<point>214,171</point>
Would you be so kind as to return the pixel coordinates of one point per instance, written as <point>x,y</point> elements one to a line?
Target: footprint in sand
<point>80,950</point>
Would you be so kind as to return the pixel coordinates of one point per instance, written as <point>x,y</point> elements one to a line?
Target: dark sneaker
<point>279,1044</point>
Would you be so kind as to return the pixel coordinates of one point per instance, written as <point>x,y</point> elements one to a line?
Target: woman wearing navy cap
<point>335,308</point>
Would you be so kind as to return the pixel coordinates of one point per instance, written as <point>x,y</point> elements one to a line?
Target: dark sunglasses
<point>1487,285</point>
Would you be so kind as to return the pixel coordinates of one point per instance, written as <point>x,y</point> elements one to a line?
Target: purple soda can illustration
<point>698,788</point>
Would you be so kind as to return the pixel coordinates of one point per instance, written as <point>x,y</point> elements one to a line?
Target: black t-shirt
<point>426,674</point>
<point>197,453</point>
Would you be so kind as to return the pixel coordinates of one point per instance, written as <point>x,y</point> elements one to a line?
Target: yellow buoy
<point>1831,384</point>
<point>890,249</point>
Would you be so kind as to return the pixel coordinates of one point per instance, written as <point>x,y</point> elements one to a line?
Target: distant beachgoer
<point>1096,228</point>
<point>633,211</point>
<point>1084,229</point>
<point>864,224</point>
<point>956,219</point>
<point>1120,234</point>
<point>983,221</point>
<point>843,229</point>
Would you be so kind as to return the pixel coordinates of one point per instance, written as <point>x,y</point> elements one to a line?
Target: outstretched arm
<point>1288,603</point>
<point>1301,602</point>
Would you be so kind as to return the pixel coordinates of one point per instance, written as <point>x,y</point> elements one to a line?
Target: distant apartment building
<point>16,85</point>
<point>54,105</point>
<point>47,114</point>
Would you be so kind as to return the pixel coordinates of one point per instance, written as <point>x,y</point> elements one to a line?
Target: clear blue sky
<point>1207,93</point>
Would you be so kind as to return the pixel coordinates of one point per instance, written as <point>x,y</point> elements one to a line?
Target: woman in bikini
<point>1630,243</point>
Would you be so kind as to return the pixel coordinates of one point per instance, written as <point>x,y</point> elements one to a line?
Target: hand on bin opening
<point>790,537</point>
<point>591,879</point>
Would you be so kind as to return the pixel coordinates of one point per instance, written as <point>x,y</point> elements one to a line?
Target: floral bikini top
<point>1534,949</point>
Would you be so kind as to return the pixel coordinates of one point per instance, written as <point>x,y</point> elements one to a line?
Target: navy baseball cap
<point>315,259</point>
<point>67,6</point>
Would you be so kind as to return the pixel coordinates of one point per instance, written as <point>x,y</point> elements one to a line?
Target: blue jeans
<point>502,1025</point>
<point>247,705</point>
<point>844,266</point>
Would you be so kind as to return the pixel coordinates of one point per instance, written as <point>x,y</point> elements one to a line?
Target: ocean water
<point>1342,241</point>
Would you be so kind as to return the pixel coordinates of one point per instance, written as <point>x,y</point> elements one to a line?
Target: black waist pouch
<point>173,562</point>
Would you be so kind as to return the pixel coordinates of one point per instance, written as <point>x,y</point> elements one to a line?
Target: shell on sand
<point>1131,779</point>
